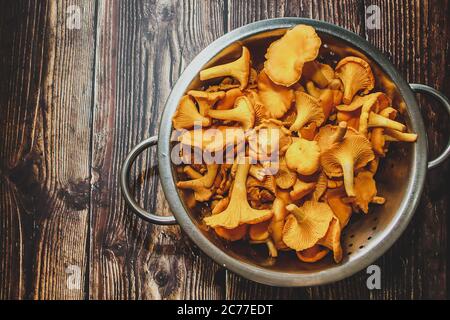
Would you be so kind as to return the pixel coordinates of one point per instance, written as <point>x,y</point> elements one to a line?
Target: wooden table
<point>74,101</point>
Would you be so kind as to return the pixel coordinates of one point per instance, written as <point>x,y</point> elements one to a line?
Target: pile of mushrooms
<point>332,131</point>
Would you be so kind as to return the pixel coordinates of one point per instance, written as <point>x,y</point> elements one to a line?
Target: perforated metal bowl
<point>400,178</point>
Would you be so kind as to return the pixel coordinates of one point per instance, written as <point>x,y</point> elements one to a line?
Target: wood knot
<point>76,195</point>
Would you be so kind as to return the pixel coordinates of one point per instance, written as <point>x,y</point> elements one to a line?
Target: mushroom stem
<point>340,132</point>
<point>394,135</point>
<point>299,214</point>
<point>242,112</point>
<point>205,181</point>
<point>375,120</point>
<point>238,69</point>
<point>347,168</point>
<point>273,252</point>
<point>219,71</point>
<point>192,173</point>
<point>378,200</point>
<point>348,94</point>
<point>299,123</point>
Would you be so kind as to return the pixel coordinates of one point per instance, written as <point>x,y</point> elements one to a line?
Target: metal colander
<point>400,177</point>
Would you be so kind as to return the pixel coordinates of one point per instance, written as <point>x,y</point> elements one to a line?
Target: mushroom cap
<point>356,75</point>
<point>351,117</point>
<point>187,115</point>
<point>285,178</point>
<point>238,69</point>
<point>306,224</point>
<point>230,97</point>
<point>332,239</point>
<point>343,211</point>
<point>365,190</point>
<point>375,101</point>
<point>301,189</point>
<point>320,73</point>
<point>220,205</point>
<point>328,98</point>
<point>343,158</point>
<point>309,131</point>
<point>242,112</point>
<point>285,57</point>
<point>206,99</point>
<point>235,234</point>
<point>308,110</point>
<point>267,183</point>
<point>354,146</point>
<point>330,134</point>
<point>313,254</point>
<point>275,98</point>
<point>259,231</point>
<point>303,156</point>
<point>334,183</point>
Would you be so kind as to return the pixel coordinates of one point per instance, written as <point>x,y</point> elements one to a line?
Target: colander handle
<point>125,177</point>
<point>421,88</point>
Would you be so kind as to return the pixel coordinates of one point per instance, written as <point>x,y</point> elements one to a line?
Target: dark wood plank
<point>141,49</point>
<point>419,48</point>
<point>45,99</point>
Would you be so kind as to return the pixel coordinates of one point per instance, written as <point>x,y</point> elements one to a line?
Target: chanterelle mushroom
<point>365,190</point>
<point>341,210</point>
<point>201,186</point>
<point>394,135</point>
<point>328,135</point>
<point>313,254</point>
<point>303,156</point>
<point>332,239</point>
<point>277,221</point>
<point>230,97</point>
<point>377,137</point>
<point>239,211</point>
<point>306,224</point>
<point>238,69</point>
<point>356,75</point>
<point>206,99</point>
<point>301,189</point>
<point>308,110</point>
<point>328,98</point>
<point>320,73</point>
<point>276,98</point>
<point>286,56</point>
<point>285,178</point>
<point>376,120</point>
<point>242,112</point>
<point>354,152</point>
<point>186,115</point>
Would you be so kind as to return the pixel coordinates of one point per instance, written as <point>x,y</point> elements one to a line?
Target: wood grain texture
<point>141,49</point>
<point>74,102</point>
<point>416,266</point>
<point>44,163</point>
